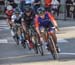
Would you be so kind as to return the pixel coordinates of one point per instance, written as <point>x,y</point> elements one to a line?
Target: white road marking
<point>62,41</point>
<point>4,26</point>
<point>7,28</point>
<point>3,41</point>
<point>10,38</point>
<point>67,53</point>
<point>63,53</point>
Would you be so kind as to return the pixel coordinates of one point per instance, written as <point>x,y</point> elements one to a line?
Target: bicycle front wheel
<point>52,47</point>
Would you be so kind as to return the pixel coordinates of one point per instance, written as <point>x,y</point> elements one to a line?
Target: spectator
<point>22,4</point>
<point>12,3</point>
<point>68,2</point>
<point>54,6</point>
<point>72,8</point>
<point>58,9</point>
<point>2,2</point>
<point>36,4</point>
<point>48,4</point>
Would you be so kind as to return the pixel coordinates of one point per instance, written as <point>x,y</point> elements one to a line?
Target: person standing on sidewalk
<point>58,10</point>
<point>72,8</point>
<point>12,3</point>
<point>54,6</point>
<point>68,2</point>
<point>36,5</point>
<point>48,4</point>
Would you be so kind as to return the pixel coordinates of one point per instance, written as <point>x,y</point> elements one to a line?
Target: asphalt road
<point>11,54</point>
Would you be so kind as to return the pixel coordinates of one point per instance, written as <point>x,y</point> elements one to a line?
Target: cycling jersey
<point>44,22</point>
<point>9,12</point>
<point>16,19</point>
<point>47,21</point>
<point>28,19</point>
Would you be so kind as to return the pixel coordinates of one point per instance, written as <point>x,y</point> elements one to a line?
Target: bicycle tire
<point>23,44</point>
<point>52,48</point>
<point>16,39</point>
<point>39,47</point>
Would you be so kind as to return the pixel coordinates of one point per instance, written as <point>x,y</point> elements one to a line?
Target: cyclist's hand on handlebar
<point>57,28</point>
<point>41,39</point>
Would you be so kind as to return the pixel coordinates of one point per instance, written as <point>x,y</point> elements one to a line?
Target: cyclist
<point>27,20</point>
<point>46,20</point>
<point>16,21</point>
<point>9,12</point>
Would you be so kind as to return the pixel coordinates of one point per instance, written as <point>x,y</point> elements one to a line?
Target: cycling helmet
<point>27,9</point>
<point>40,10</point>
<point>17,11</point>
<point>9,7</point>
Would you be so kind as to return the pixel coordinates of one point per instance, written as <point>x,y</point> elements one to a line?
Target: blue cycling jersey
<point>46,21</point>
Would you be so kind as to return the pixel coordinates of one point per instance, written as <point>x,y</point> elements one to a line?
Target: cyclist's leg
<point>53,34</point>
<point>9,21</point>
<point>29,36</point>
<point>41,29</point>
<point>54,37</point>
<point>24,26</point>
<point>18,32</point>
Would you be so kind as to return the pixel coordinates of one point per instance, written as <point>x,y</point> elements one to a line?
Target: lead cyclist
<point>46,20</point>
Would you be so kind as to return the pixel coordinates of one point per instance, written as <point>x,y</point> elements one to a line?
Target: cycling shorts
<point>49,29</point>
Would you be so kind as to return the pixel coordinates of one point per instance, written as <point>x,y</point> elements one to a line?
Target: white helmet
<point>9,7</point>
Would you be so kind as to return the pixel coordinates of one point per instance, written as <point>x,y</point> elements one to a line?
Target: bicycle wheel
<point>52,47</point>
<point>14,34</point>
<point>40,49</point>
<point>23,44</point>
<point>39,46</point>
<point>35,44</point>
<point>23,40</point>
<point>16,39</point>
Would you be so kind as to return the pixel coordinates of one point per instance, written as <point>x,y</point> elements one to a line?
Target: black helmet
<point>27,9</point>
<point>40,10</point>
<point>17,11</point>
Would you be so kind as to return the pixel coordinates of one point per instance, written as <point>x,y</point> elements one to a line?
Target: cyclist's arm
<point>36,23</point>
<point>53,19</point>
<point>22,21</point>
<point>13,17</point>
